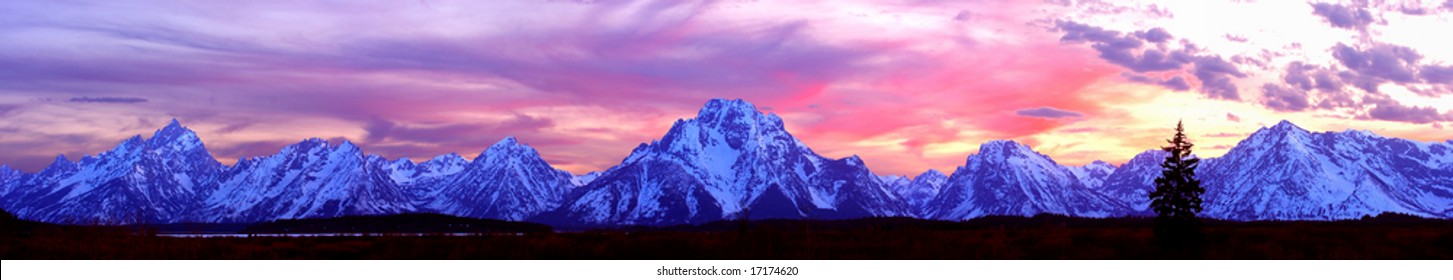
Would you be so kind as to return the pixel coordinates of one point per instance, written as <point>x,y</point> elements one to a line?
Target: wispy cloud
<point>105,99</point>
<point>1048,113</point>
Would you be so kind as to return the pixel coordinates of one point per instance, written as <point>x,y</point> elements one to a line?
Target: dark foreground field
<point>1044,237</point>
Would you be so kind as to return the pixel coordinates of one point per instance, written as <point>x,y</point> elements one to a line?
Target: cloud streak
<point>1048,113</point>
<point>105,99</point>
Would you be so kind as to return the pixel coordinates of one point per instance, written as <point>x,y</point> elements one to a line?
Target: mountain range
<point>730,161</point>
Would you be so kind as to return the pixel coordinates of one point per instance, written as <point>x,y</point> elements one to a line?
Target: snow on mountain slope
<point>584,179</point>
<point>1132,182</point>
<point>423,181</point>
<point>896,182</point>
<point>1285,172</point>
<point>306,180</point>
<point>1093,175</point>
<point>29,192</point>
<point>1007,178</point>
<point>139,181</point>
<point>8,176</point>
<point>508,181</point>
<point>729,161</point>
<point>917,192</point>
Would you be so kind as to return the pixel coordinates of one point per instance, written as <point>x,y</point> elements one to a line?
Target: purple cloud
<point>1389,110</point>
<point>1120,49</point>
<point>1309,77</point>
<point>1048,113</point>
<point>1233,117</point>
<point>1437,74</point>
<point>1216,77</point>
<point>1175,83</point>
<point>1343,16</point>
<point>1284,99</point>
<point>1216,74</point>
<point>1383,61</point>
<point>1154,35</point>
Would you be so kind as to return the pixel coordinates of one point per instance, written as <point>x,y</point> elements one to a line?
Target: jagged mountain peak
<point>1002,150</point>
<point>1100,163</point>
<point>348,146</point>
<point>931,174</point>
<point>448,158</point>
<point>1093,174</point>
<point>61,162</point>
<point>1003,147</point>
<point>135,142</point>
<point>509,147</point>
<point>730,160</point>
<point>723,131</point>
<point>175,137</point>
<point>737,119</point>
<point>507,141</point>
<point>1009,178</point>
<point>716,109</point>
<point>310,143</point>
<point>1284,127</point>
<point>1151,154</point>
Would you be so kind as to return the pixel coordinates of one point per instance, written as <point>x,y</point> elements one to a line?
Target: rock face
<point>1008,178</point>
<point>730,161</point>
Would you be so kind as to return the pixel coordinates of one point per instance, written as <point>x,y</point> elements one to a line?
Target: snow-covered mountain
<point>897,183</point>
<point>584,179</point>
<point>1093,175</point>
<point>309,179</point>
<point>1287,173</point>
<point>508,181</point>
<point>921,189</point>
<point>422,181</point>
<point>1132,182</point>
<point>730,161</point>
<point>7,177</point>
<point>1008,178</point>
<point>150,180</point>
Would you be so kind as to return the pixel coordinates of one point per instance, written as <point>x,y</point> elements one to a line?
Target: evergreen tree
<point>1177,195</point>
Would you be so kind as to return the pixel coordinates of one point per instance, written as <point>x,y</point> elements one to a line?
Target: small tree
<point>1177,195</point>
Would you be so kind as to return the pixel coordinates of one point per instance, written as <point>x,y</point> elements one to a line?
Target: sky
<point>906,85</point>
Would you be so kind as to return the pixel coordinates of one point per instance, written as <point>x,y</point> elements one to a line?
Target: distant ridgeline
<point>729,162</point>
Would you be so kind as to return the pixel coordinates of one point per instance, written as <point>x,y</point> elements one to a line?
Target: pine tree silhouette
<point>1177,199</point>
